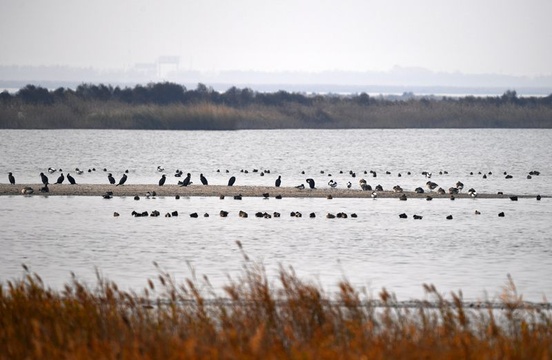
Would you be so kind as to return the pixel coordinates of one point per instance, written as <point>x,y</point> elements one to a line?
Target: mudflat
<point>223,190</point>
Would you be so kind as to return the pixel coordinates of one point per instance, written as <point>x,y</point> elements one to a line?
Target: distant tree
<point>35,95</point>
<point>509,96</point>
<point>166,93</point>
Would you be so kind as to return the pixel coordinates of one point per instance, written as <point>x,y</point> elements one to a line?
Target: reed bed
<point>255,318</point>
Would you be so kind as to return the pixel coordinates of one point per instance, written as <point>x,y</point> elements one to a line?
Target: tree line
<point>172,106</point>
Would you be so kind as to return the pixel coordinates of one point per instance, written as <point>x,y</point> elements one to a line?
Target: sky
<point>468,36</point>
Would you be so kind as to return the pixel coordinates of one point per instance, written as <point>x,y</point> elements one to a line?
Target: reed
<point>259,318</point>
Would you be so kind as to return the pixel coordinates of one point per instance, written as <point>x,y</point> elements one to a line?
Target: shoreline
<point>223,190</point>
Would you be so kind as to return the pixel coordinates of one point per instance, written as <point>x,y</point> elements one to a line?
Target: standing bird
<point>111,178</point>
<point>231,181</point>
<point>11,178</point>
<point>311,183</point>
<point>162,180</point>
<point>278,181</point>
<point>123,180</point>
<point>44,178</point>
<point>71,179</point>
<point>203,179</point>
<point>186,180</point>
<point>60,179</point>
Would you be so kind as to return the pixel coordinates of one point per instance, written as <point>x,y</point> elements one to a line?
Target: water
<point>474,253</point>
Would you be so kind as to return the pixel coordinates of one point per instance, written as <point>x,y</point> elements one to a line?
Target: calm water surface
<point>57,235</point>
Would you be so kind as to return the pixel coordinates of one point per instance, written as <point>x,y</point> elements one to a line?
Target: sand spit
<point>223,190</point>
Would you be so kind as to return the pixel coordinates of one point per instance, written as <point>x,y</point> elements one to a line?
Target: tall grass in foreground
<point>257,319</point>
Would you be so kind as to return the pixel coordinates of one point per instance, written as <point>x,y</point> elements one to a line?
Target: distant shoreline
<point>226,191</point>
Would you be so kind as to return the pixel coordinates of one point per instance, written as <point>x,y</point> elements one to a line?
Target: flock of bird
<point>430,186</point>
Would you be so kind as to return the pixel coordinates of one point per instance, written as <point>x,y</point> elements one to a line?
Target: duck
<point>300,187</point>
<point>79,171</point>
<point>403,216</point>
<point>160,169</point>
<point>51,170</point>
<point>223,213</point>
<point>418,217</point>
<point>27,190</point>
<point>349,184</point>
<point>332,183</point>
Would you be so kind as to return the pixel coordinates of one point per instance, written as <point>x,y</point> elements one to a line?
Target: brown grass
<point>257,319</point>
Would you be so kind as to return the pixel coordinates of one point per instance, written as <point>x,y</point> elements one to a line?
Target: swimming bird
<point>71,179</point>
<point>11,178</point>
<point>60,179</point>
<point>162,180</point>
<point>160,169</point>
<point>332,183</point>
<point>186,180</point>
<point>123,180</point>
<point>78,171</point>
<point>231,181</point>
<point>418,217</point>
<point>449,217</point>
<point>311,183</point>
<point>374,194</point>
<point>203,179</point>
<point>403,216</point>
<point>349,184</point>
<point>51,170</point>
<point>44,178</point>
<point>278,181</point>
<point>223,213</point>
<point>111,178</point>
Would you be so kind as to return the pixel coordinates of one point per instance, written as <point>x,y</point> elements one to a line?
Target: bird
<point>332,183</point>
<point>431,185</point>
<point>311,183</point>
<point>349,184</point>
<point>300,187</point>
<point>231,181</point>
<point>27,190</point>
<point>162,180</point>
<point>203,179</point>
<point>186,180</point>
<point>11,178</point>
<point>51,170</point>
<point>111,178</point>
<point>78,171</point>
<point>60,179</point>
<point>160,169</point>
<point>123,180</point>
<point>71,179</point>
<point>44,178</point>
<point>278,181</point>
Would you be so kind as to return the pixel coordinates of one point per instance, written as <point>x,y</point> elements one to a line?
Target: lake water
<point>57,235</point>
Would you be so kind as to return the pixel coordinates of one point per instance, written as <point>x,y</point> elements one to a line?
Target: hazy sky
<point>469,36</point>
